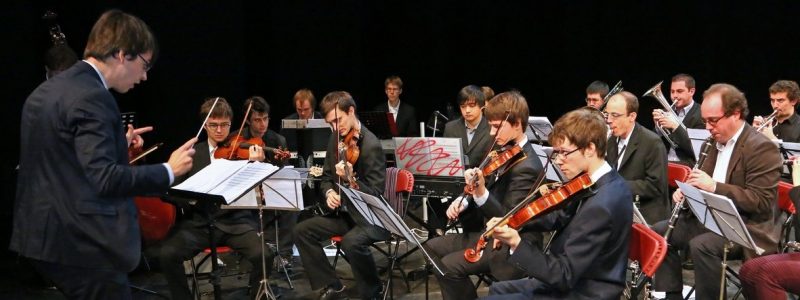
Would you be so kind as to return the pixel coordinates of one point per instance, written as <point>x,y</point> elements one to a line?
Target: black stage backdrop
<point>548,50</point>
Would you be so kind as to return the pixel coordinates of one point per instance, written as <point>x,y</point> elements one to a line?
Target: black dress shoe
<point>330,294</point>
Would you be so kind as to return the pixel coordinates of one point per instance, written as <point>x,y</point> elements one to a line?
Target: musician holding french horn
<point>783,124</point>
<point>741,165</point>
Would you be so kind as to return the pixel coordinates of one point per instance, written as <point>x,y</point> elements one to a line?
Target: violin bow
<point>206,119</point>
<point>145,152</point>
<point>241,127</point>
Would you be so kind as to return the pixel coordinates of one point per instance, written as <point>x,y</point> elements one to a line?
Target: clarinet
<point>676,211</point>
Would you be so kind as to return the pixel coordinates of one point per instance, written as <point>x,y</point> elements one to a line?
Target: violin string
<point>206,119</point>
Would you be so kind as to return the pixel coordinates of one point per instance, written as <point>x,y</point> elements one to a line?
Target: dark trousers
<point>85,283</point>
<point>705,249</point>
<point>513,289</point>
<point>771,276</point>
<point>449,251</point>
<point>796,203</point>
<point>187,241</point>
<point>285,227</point>
<point>356,240</point>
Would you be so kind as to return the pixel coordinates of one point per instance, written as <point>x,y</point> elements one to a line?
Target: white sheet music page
<point>698,205</point>
<point>227,178</point>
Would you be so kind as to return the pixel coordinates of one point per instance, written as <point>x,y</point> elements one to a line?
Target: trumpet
<point>676,211</point>
<point>655,92</point>
<point>767,121</point>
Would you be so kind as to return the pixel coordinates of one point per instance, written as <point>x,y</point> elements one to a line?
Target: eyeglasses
<point>147,64</point>
<point>714,121</point>
<point>562,154</point>
<point>613,115</point>
<point>214,126</point>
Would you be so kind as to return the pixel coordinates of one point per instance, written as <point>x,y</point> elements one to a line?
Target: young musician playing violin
<point>235,228</point>
<point>588,256</point>
<point>507,115</point>
<point>361,165</point>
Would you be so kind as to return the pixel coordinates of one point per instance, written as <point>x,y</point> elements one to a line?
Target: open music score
<point>225,180</point>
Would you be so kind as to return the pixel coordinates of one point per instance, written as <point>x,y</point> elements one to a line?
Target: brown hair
<point>305,95</point>
<point>686,78</point>
<point>511,103</point>
<point>733,100</point>
<point>117,31</point>
<point>581,127</point>
<point>488,92</point>
<point>394,79</point>
<point>786,86</point>
<point>221,110</point>
<point>342,98</point>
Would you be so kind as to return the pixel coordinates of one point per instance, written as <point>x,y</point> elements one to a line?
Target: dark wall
<point>549,51</point>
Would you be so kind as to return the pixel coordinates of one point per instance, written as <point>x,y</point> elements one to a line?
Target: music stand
<point>382,124</point>
<point>223,182</point>
<point>553,173</point>
<point>698,137</point>
<point>377,212</point>
<point>538,129</point>
<point>718,213</point>
<point>308,137</point>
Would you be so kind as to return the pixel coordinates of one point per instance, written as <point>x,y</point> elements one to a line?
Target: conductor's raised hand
<point>134,136</point>
<point>181,159</point>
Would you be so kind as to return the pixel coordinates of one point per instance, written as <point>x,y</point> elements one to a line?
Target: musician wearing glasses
<point>595,93</point>
<point>235,228</point>
<point>785,124</point>
<point>589,254</point>
<point>681,91</point>
<point>744,166</point>
<point>507,115</point>
<point>403,113</point>
<point>638,155</point>
<point>74,215</point>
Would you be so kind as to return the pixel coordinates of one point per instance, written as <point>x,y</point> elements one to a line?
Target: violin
<point>349,152</point>
<point>530,209</point>
<point>492,163</point>
<point>238,148</point>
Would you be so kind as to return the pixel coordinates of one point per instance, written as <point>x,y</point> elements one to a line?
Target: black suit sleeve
<point>522,176</point>
<point>652,186</point>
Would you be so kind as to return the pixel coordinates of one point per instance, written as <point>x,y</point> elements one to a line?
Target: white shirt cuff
<point>171,174</point>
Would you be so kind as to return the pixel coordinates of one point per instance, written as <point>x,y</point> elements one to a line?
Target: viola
<point>349,152</point>
<point>530,209</point>
<point>238,148</point>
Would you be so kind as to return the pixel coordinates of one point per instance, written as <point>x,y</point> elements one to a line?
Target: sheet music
<point>227,178</point>
<point>430,156</point>
<point>727,217</point>
<point>697,136</point>
<point>553,172</point>
<point>360,205</point>
<point>283,190</point>
<point>696,202</point>
<point>542,126</point>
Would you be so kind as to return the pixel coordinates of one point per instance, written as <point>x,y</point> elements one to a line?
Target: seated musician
<point>589,254</point>
<point>404,114</point>
<point>368,174</point>
<point>744,166</point>
<point>681,92</point>
<point>473,130</point>
<point>258,127</point>
<point>638,156</point>
<point>595,92</point>
<point>771,276</point>
<point>783,97</point>
<point>304,104</point>
<point>507,114</point>
<point>235,228</point>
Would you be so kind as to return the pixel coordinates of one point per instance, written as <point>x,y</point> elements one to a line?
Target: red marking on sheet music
<point>423,156</point>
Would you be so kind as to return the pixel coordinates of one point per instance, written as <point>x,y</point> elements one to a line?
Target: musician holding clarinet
<point>589,254</point>
<point>507,115</point>
<point>741,165</point>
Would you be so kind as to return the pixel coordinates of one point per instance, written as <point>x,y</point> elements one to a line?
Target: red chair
<point>648,249</point>
<point>785,204</point>
<point>676,171</point>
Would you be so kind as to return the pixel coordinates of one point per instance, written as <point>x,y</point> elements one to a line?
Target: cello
<point>156,217</point>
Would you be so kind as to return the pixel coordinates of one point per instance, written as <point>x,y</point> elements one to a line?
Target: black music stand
<point>380,123</point>
<point>718,213</point>
<point>222,182</point>
<point>307,137</point>
<point>538,129</point>
<point>377,212</point>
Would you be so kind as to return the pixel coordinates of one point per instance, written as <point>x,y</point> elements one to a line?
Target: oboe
<point>676,211</point>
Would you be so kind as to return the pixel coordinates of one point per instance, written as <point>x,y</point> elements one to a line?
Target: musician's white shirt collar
<point>724,156</point>
<point>602,170</point>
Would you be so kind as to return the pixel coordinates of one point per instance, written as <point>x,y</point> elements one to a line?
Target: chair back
<point>676,171</point>
<point>399,184</point>
<point>648,248</point>
<point>784,201</point>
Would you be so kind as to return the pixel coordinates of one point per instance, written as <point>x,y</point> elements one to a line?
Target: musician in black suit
<point>342,218</point>
<point>638,155</point>
<point>595,93</point>
<point>589,254</point>
<point>74,215</point>
<point>235,228</point>
<point>783,97</point>
<point>681,92</point>
<point>404,114</point>
<point>507,114</point>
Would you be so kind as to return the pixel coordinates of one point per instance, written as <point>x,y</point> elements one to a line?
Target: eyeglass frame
<point>215,126</point>
<point>563,154</point>
<point>147,64</point>
<point>714,122</point>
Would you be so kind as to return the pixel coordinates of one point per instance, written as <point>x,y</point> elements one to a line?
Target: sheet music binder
<point>282,191</point>
<point>380,123</point>
<point>224,181</point>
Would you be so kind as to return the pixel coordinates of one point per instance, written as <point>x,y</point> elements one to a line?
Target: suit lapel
<point>478,136</point>
<point>633,144</point>
<point>736,156</point>
<point>612,152</point>
<point>692,116</point>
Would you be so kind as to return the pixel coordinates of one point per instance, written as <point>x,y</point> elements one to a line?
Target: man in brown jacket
<point>741,165</point>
